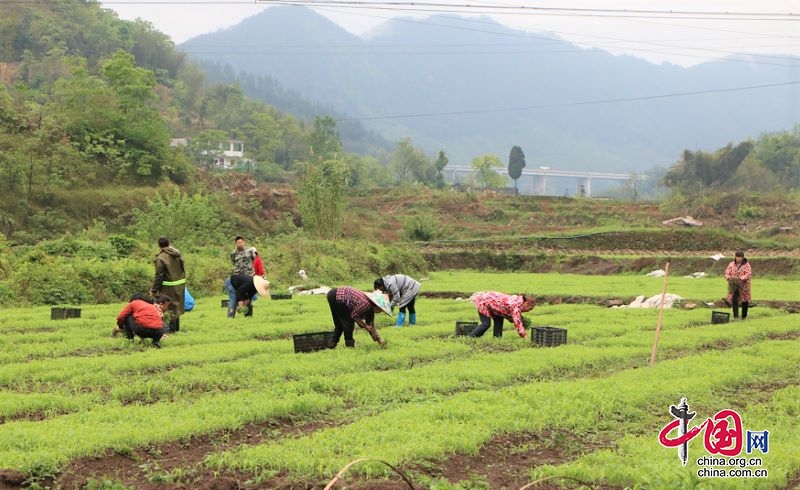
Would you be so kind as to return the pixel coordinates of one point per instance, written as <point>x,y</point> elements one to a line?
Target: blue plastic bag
<point>188,300</point>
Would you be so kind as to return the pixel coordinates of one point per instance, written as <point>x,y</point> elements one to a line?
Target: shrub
<point>748,212</point>
<point>124,245</point>
<point>51,284</point>
<point>422,228</point>
<point>192,219</point>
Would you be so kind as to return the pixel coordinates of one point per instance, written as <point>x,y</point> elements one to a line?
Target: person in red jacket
<point>143,318</point>
<point>258,266</point>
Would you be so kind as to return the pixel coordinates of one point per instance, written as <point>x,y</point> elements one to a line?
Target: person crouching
<point>143,319</point>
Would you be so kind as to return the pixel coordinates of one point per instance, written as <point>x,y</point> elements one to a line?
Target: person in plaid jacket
<point>350,306</point>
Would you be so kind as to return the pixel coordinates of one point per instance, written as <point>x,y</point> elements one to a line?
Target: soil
<point>502,463</point>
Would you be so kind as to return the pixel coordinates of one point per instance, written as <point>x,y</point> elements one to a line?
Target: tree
<point>516,162</point>
<point>700,170</point>
<point>134,86</point>
<point>440,164</point>
<point>780,154</point>
<point>321,198</point>
<point>262,137</point>
<point>223,103</point>
<point>138,131</point>
<point>410,165</point>
<point>195,218</point>
<point>324,142</point>
<point>484,169</point>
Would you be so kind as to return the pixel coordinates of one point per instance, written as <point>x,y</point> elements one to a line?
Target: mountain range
<point>483,90</point>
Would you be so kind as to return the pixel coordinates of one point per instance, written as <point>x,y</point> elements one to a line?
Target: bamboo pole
<point>660,314</point>
<point>341,472</point>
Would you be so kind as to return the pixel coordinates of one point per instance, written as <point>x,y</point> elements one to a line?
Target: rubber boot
<point>231,312</point>
<point>350,343</point>
<point>412,319</point>
<point>401,319</point>
<point>745,306</point>
<point>249,311</point>
<point>175,325</point>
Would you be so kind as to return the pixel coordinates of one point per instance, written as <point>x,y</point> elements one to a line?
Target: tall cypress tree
<point>516,162</point>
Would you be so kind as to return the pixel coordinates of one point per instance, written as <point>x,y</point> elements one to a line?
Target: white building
<point>230,155</point>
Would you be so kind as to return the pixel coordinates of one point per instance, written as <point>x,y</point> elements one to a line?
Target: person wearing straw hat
<point>497,307</point>
<point>241,289</point>
<point>738,275</point>
<point>350,306</point>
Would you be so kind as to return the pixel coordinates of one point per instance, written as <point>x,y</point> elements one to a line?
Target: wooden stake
<point>660,315</point>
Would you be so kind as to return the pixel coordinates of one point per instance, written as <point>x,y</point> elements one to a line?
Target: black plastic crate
<point>465,328</point>
<point>310,342</point>
<point>549,336</point>
<point>280,296</point>
<point>63,313</point>
<point>720,317</point>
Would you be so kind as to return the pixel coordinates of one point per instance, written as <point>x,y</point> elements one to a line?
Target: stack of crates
<point>64,313</point>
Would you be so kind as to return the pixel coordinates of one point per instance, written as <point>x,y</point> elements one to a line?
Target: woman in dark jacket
<point>349,307</point>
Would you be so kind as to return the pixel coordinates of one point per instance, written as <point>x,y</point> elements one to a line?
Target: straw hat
<point>262,285</point>
<point>381,301</point>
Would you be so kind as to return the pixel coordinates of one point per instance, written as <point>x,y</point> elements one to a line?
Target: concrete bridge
<point>534,180</point>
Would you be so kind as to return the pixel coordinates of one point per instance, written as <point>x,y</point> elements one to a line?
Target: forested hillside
<point>88,106</point>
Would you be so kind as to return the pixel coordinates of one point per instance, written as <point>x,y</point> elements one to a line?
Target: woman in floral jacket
<point>499,306</point>
<point>738,275</point>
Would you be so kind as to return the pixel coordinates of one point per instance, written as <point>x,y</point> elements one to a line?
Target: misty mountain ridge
<point>485,87</point>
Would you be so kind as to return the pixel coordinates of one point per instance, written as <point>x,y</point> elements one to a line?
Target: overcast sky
<point>684,32</point>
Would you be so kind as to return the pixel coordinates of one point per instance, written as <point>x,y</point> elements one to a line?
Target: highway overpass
<point>534,180</point>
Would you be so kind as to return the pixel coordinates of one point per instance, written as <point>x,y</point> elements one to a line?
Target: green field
<point>230,400</point>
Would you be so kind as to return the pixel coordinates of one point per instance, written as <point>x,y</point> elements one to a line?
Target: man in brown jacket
<point>170,280</point>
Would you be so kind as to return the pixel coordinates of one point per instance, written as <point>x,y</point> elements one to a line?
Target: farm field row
<point>70,393</point>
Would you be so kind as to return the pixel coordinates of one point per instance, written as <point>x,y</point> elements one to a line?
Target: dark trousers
<point>410,306</point>
<point>735,303</point>
<point>132,328</point>
<point>342,323</point>
<point>484,326</point>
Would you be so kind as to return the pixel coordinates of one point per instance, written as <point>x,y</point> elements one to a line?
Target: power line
<point>450,7</point>
<point>572,104</point>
